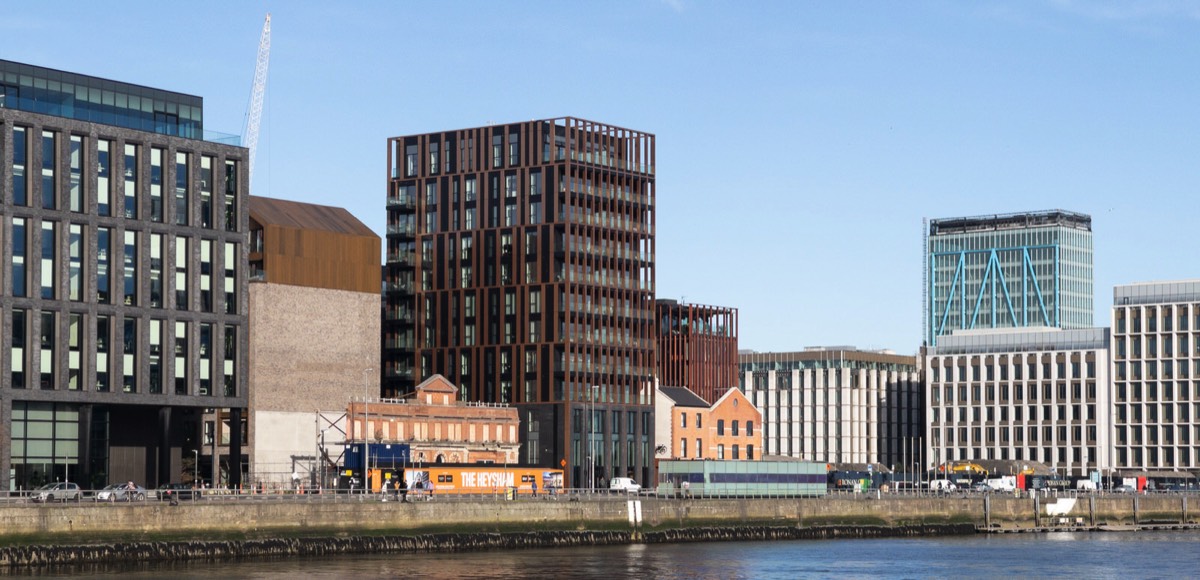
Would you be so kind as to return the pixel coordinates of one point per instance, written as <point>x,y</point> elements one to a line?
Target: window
<point>131,172</point>
<point>749,452</point>
<point>101,340</point>
<point>156,339</point>
<point>699,449</point>
<point>75,263</point>
<point>181,188</point>
<point>181,358</point>
<point>720,447</point>
<point>749,428</point>
<point>129,358</point>
<point>76,176</point>
<point>206,191</point>
<point>103,251</point>
<point>735,452</point>
<point>49,159</point>
<point>156,184</point>
<point>103,173</point>
<point>231,194</point>
<point>206,267</point>
<point>130,285</point>
<point>231,259</point>
<point>698,423</point>
<point>720,429</point>
<point>683,420</point>
<point>20,184</point>
<point>181,273</point>
<point>683,448</point>
<point>156,270</point>
<point>20,241</point>
<point>18,334</point>
<point>49,263</point>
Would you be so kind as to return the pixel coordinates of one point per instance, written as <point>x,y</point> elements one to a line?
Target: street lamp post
<point>196,467</point>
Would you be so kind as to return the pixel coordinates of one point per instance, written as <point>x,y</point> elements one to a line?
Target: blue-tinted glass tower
<point>1008,271</point>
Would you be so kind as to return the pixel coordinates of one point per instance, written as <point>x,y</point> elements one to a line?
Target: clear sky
<point>799,144</point>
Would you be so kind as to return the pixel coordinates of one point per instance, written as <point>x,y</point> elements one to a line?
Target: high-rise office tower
<point>1008,271</point>
<point>520,265</point>
<point>121,284</point>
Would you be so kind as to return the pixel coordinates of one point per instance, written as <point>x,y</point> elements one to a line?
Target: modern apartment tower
<point>1156,375</point>
<point>520,265</point>
<point>1008,271</point>
<point>121,284</point>
<point>837,404</point>
<point>1038,395</point>
<point>697,348</point>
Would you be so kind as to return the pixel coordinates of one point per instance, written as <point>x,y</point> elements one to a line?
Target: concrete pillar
<point>235,448</point>
<point>83,473</point>
<point>163,470</point>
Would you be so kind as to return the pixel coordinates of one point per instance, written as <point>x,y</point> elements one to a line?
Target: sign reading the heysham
<point>487,479</point>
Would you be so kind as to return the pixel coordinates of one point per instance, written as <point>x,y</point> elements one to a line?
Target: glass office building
<point>1008,271</point>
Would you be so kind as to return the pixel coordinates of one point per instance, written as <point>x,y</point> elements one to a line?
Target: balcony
<point>403,230</point>
<point>398,286</point>
<point>402,258</point>
<point>404,202</point>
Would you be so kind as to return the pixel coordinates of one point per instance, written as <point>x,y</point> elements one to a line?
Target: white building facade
<point>1156,375</point>
<point>1026,395</point>
<point>838,405</point>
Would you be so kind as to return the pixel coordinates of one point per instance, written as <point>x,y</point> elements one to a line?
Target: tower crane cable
<point>254,114</point>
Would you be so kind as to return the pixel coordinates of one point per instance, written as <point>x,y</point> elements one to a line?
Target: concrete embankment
<point>76,555</point>
<point>264,527</point>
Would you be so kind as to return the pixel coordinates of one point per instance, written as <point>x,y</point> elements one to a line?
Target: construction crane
<point>254,113</point>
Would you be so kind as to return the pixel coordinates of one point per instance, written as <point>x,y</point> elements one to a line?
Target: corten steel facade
<point>123,286</point>
<point>837,404</point>
<point>1021,395</point>
<point>520,265</point>
<point>697,347</point>
<point>1008,271</point>
<point>1156,375</point>
<point>314,331</point>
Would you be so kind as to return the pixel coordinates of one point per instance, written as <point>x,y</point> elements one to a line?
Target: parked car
<point>177,492</point>
<point>625,484</point>
<point>980,486</point>
<point>61,491</point>
<point>121,492</point>
<point>1124,489</point>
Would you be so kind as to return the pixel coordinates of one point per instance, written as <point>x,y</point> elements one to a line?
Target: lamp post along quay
<point>366,435</point>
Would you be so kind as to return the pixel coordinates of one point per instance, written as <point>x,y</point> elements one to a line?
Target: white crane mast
<point>254,114</point>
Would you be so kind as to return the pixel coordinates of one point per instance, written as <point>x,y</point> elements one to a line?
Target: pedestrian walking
<point>535,489</point>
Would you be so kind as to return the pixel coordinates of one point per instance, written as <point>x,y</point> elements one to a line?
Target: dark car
<point>178,492</point>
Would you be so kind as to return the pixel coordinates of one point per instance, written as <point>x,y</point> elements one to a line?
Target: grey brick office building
<point>124,302</point>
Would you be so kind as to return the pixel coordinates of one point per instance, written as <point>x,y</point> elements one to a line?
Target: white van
<point>942,485</point>
<point>625,484</point>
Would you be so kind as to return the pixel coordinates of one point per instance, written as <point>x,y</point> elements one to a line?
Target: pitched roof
<point>294,214</point>
<point>683,397</point>
<point>437,384</point>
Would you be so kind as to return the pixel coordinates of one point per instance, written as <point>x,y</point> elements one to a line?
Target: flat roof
<point>47,91</point>
<point>1006,221</point>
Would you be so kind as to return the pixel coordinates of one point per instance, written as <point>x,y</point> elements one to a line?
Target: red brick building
<point>438,427</point>
<point>690,428</point>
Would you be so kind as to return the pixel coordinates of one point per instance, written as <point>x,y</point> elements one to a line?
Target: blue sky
<point>799,144</point>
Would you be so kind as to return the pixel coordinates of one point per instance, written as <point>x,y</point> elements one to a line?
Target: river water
<point>1143,554</point>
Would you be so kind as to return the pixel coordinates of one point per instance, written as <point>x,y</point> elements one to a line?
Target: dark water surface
<point>1024,556</point>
